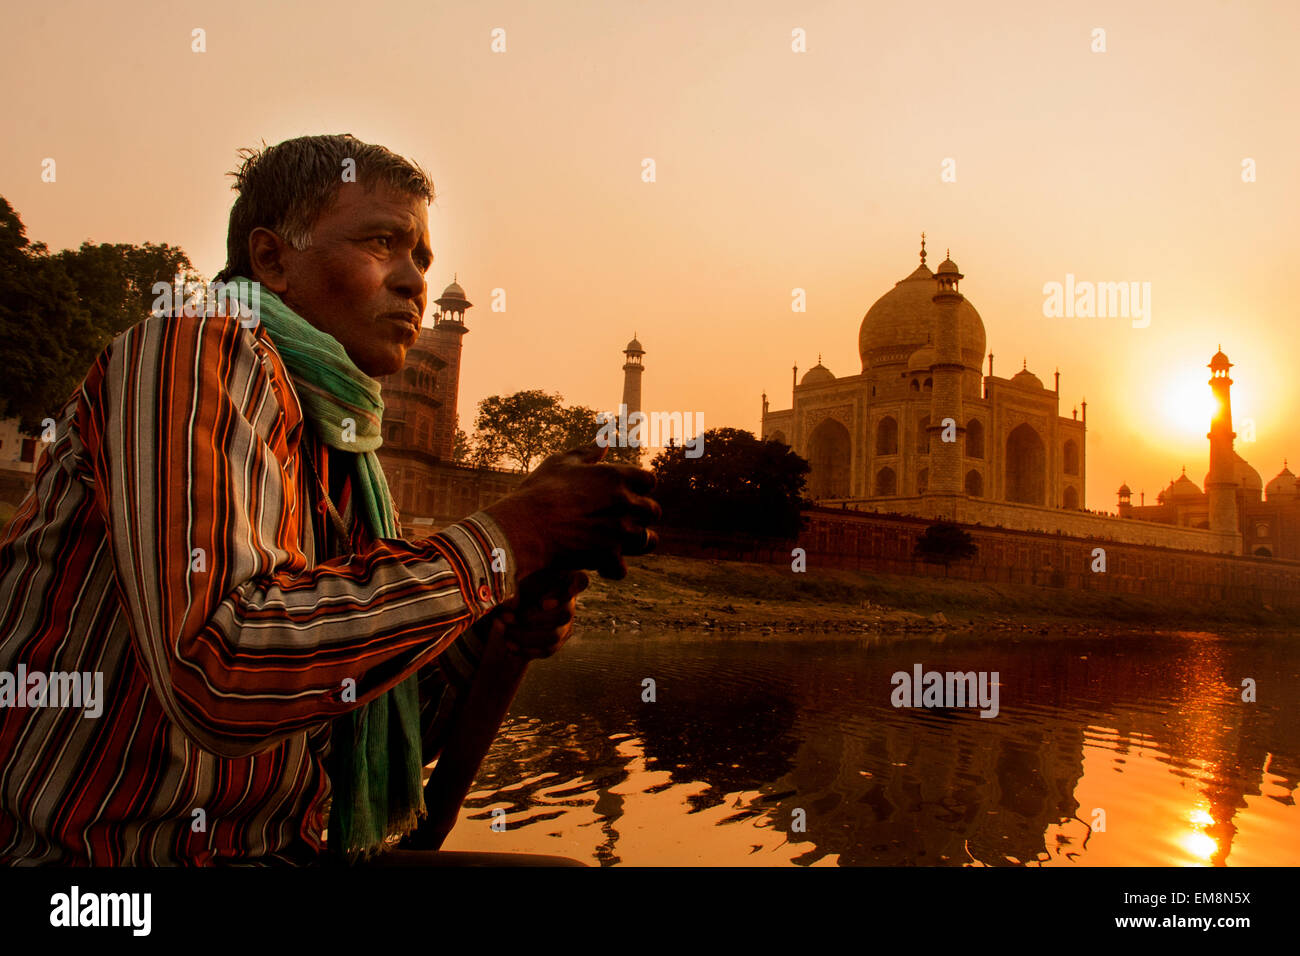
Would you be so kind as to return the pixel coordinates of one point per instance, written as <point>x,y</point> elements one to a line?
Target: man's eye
<point>387,241</point>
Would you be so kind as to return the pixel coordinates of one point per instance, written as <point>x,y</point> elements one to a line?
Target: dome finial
<point>922,248</point>
<point>819,358</point>
<point>1024,364</point>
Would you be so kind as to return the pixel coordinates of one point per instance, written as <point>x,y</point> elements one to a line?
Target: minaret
<point>448,329</point>
<point>632,369</point>
<point>945,400</point>
<point>1220,483</point>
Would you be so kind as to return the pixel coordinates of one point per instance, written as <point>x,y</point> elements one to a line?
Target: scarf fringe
<point>398,829</point>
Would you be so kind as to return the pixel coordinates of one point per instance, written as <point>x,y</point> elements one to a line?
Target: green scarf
<point>377,789</point>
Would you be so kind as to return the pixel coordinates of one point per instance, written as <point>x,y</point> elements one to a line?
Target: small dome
<point>1243,475</point>
<point>1247,476</point>
<point>634,346</point>
<point>1283,486</point>
<point>1219,362</point>
<point>922,359</point>
<point>948,266</point>
<point>819,374</point>
<point>453,299</point>
<point>1027,379</point>
<point>1183,487</point>
<point>1124,489</point>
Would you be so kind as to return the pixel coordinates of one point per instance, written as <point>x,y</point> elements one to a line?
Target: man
<point>210,537</point>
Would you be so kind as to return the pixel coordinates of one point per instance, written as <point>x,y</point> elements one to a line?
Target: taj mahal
<point>924,430</point>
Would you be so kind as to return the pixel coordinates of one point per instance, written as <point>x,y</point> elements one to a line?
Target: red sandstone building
<point>429,489</point>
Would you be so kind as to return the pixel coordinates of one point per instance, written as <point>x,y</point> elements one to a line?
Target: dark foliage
<point>739,485</point>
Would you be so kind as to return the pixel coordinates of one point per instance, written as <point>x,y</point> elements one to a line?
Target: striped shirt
<point>174,543</point>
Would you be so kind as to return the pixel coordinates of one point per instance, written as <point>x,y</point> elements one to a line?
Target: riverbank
<point>667,592</point>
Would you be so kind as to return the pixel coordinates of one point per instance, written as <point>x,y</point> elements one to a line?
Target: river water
<point>1106,750</point>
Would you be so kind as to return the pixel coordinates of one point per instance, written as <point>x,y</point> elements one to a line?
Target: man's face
<point>362,278</point>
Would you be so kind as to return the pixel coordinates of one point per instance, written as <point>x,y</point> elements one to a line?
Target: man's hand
<point>577,512</point>
<point>537,621</point>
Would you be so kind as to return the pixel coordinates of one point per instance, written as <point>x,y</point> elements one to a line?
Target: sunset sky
<point>775,170</point>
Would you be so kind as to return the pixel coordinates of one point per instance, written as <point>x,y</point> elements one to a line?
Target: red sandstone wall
<point>884,543</point>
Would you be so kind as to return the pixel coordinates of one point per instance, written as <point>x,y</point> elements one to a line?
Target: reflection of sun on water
<point>1200,845</point>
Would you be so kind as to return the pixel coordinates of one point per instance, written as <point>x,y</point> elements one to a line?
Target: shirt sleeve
<point>188,426</point>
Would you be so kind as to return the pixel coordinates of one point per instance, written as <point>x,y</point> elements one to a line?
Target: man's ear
<point>266,252</point>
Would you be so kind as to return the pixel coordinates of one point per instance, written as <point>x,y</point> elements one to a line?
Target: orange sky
<point>775,170</point>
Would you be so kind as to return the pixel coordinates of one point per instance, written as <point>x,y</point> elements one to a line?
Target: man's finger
<point>633,537</point>
<point>591,454</point>
<point>637,479</point>
<point>645,510</point>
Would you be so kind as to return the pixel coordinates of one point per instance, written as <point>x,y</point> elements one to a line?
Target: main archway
<point>1026,466</point>
<point>829,456</point>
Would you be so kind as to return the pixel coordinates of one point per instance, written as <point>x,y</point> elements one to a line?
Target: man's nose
<point>408,281</point>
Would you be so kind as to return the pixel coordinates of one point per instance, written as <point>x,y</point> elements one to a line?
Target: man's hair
<point>286,187</point>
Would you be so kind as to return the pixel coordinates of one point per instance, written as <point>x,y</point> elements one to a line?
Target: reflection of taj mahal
<point>921,430</point>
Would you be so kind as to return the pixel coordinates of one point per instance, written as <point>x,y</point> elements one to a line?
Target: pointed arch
<point>829,448</point>
<point>1026,466</point>
<point>887,436</point>
<point>974,438</point>
<point>1070,457</point>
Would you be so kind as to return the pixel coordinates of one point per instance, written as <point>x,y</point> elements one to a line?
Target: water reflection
<point>1145,737</point>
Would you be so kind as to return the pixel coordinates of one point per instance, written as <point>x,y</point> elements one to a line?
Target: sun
<point>1188,405</point>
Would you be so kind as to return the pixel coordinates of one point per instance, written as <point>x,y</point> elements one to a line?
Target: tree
<point>520,427</point>
<point>461,448</point>
<point>58,312</point>
<point>944,543</point>
<point>528,425</point>
<point>43,327</point>
<point>115,282</point>
<point>739,484</point>
<point>578,427</point>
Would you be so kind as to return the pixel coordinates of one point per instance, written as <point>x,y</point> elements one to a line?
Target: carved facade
<point>877,436</point>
